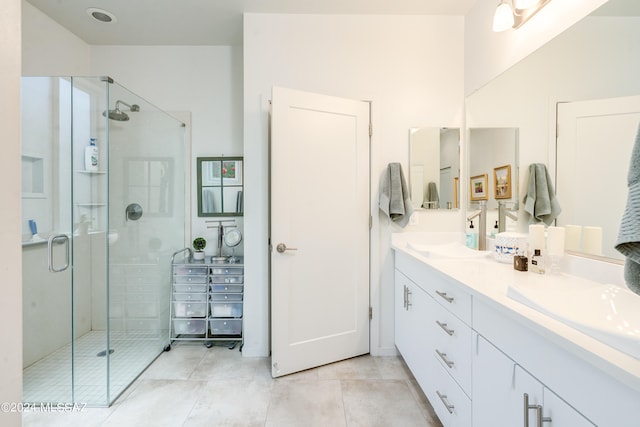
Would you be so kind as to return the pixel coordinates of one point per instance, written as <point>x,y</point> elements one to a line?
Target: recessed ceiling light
<point>101,15</point>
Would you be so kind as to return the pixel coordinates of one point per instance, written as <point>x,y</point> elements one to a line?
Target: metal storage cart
<point>206,300</point>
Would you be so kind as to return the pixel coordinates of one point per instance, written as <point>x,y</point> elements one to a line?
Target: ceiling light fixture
<point>514,13</point>
<point>101,15</point>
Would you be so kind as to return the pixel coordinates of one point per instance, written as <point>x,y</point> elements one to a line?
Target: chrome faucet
<point>482,225</point>
<point>503,214</point>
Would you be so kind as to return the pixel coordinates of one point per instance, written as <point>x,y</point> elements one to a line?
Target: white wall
<point>487,54</point>
<point>10,248</point>
<point>410,67</point>
<point>48,49</point>
<point>203,80</point>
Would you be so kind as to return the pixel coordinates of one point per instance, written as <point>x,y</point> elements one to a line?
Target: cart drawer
<point>190,270</point>
<point>191,326</point>
<point>226,297</point>
<point>189,279</point>
<point>227,288</point>
<point>189,309</point>
<point>227,279</point>
<point>192,296</point>
<point>226,309</point>
<point>226,326</point>
<point>190,288</point>
<point>237,271</point>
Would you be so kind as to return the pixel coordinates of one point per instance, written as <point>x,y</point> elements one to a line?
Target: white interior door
<point>320,212</point>
<point>593,137</point>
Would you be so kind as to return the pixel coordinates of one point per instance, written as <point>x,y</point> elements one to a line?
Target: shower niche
<point>91,328</point>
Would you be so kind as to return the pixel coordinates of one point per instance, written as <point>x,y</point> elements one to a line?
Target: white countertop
<point>488,280</point>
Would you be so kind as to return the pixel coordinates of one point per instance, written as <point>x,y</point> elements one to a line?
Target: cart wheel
<point>208,344</point>
<point>167,347</point>
<point>231,346</point>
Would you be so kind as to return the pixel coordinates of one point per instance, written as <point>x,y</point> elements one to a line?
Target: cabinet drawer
<point>193,296</point>
<point>189,309</point>
<point>452,345</point>
<point>226,288</point>
<point>452,406</point>
<point>232,271</point>
<point>226,309</point>
<point>227,279</point>
<point>189,279</point>
<point>190,327</point>
<point>182,288</point>
<point>225,326</point>
<point>226,297</point>
<point>190,270</point>
<point>453,299</point>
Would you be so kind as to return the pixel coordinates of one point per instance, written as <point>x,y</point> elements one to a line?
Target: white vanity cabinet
<point>502,390</point>
<point>433,338</point>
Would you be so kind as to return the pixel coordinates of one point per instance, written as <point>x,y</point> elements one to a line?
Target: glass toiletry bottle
<point>91,156</point>
<point>537,262</point>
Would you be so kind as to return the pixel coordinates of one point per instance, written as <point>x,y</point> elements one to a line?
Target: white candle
<point>592,240</point>
<point>555,240</point>
<point>573,235</point>
<point>536,237</point>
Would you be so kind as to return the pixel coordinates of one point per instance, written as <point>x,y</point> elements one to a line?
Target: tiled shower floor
<point>50,379</point>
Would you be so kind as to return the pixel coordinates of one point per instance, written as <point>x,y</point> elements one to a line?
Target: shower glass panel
<point>92,328</point>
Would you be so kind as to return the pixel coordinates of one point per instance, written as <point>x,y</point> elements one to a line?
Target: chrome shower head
<point>118,115</point>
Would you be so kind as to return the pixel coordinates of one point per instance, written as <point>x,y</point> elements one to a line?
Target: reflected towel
<point>433,200</point>
<point>540,201</point>
<point>208,205</point>
<point>628,242</point>
<point>394,199</point>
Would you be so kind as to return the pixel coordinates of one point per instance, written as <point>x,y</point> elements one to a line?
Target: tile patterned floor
<point>194,386</point>
<point>50,378</point>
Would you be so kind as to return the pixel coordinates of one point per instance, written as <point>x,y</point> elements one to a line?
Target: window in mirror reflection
<point>149,184</point>
<point>434,170</point>
<point>220,183</point>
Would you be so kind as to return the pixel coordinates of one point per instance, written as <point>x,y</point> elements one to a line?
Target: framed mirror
<point>598,62</point>
<point>493,167</point>
<point>434,167</point>
<point>220,186</point>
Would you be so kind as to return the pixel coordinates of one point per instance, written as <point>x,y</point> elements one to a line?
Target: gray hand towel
<point>540,201</point>
<point>433,200</point>
<point>394,199</point>
<point>628,242</point>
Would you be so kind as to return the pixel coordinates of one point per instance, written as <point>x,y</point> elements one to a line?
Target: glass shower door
<point>146,226</point>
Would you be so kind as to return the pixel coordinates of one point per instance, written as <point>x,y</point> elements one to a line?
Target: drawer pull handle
<point>445,297</point>
<point>445,402</point>
<point>539,417</point>
<point>444,328</point>
<point>443,356</point>
<point>409,298</point>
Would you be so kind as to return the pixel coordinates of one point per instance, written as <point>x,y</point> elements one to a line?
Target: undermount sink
<point>447,250</point>
<point>608,313</point>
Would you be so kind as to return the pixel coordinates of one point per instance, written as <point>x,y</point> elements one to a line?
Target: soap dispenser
<point>495,230</point>
<point>472,237</point>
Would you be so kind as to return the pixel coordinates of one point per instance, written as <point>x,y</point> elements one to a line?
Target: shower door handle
<point>57,239</point>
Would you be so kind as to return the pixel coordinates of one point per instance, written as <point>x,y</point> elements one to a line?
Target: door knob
<point>281,248</point>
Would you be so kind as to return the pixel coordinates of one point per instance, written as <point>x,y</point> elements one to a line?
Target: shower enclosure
<point>97,241</point>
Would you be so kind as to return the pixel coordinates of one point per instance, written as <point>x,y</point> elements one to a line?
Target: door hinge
<point>370,222</point>
<point>370,313</point>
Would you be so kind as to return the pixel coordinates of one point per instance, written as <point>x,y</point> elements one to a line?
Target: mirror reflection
<point>220,185</point>
<point>493,167</point>
<point>593,60</point>
<point>434,167</point>
<point>149,184</point>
